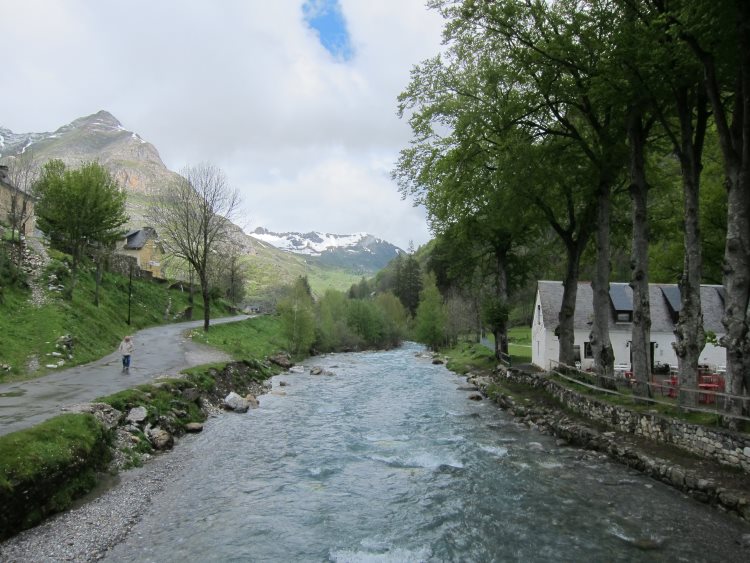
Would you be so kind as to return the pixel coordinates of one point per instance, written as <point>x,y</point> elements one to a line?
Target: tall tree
<point>718,33</point>
<point>23,173</point>
<point>193,216</point>
<point>430,319</point>
<point>79,208</point>
<point>298,316</point>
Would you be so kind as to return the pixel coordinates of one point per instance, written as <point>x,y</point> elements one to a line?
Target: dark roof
<point>551,292</point>
<point>622,300</point>
<point>135,240</point>
<point>674,299</point>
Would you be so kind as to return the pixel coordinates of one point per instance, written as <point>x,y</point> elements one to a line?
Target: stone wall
<point>726,447</point>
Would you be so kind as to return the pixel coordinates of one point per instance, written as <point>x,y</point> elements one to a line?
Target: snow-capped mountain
<point>359,251</point>
<point>135,163</point>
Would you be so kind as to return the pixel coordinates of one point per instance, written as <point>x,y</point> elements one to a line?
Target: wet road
<point>158,351</point>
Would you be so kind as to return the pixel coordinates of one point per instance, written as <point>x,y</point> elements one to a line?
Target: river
<point>387,460</point>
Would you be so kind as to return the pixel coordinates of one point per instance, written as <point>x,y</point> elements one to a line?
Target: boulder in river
<point>236,403</point>
<point>475,397</point>
<point>281,360</point>
<point>194,427</point>
<point>316,371</point>
<point>160,438</point>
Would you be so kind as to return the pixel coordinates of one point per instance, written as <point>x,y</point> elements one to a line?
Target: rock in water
<point>475,397</point>
<point>281,360</point>
<point>236,403</point>
<point>194,427</point>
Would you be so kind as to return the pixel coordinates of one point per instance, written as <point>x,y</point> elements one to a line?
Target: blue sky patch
<point>325,17</point>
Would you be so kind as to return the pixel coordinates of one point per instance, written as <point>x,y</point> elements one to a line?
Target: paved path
<point>158,350</point>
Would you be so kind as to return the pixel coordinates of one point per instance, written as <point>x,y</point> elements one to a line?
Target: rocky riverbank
<point>102,519</point>
<point>703,479</point>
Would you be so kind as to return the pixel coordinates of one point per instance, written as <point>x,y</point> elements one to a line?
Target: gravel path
<point>86,532</point>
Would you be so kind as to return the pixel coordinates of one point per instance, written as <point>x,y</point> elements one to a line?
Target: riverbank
<point>99,521</point>
<point>705,480</point>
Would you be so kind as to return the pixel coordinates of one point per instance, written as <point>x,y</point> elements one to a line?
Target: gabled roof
<point>135,240</point>
<point>551,293</point>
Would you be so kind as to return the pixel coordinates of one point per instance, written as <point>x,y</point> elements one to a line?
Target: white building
<point>665,309</point>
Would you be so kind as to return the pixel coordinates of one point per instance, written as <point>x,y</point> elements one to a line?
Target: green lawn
<point>256,338</point>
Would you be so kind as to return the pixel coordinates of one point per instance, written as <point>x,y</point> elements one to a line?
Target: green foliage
<point>42,469</point>
<point>430,320</point>
<point>298,317</point>
<point>257,337</point>
<point>495,314</point>
<point>28,333</point>
<point>469,356</point>
<point>81,207</point>
<point>159,399</point>
<point>10,275</point>
<point>355,323</point>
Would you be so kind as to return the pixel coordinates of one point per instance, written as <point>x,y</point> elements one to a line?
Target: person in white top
<point>126,349</point>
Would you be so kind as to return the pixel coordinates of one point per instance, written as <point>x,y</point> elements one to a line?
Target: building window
<point>624,317</point>
<point>587,351</point>
<point>538,314</point>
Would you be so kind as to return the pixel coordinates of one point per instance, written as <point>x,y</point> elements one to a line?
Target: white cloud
<point>307,139</point>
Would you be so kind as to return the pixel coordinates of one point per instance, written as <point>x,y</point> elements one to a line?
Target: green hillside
<point>29,333</point>
<point>269,269</point>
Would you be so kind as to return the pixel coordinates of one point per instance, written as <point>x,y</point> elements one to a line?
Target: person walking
<point>126,349</point>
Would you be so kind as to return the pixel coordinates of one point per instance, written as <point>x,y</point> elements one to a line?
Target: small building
<point>665,310</point>
<point>15,201</point>
<point>144,245</point>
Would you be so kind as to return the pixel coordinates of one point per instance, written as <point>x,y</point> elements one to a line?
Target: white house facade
<point>665,309</point>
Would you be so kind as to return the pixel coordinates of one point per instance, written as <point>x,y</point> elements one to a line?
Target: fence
<point>711,397</point>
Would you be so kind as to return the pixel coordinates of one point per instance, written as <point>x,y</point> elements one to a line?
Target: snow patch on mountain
<point>314,243</point>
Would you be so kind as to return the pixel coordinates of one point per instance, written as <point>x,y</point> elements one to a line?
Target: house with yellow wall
<point>143,245</point>
<point>15,202</point>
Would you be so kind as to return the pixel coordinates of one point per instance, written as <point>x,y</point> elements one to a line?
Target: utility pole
<point>130,291</point>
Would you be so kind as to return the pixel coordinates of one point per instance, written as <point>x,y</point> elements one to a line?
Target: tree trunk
<point>737,287</point>
<point>640,344</point>
<point>566,327</point>
<point>206,303</point>
<point>734,139</point>
<point>98,279</point>
<point>501,331</point>
<point>600,344</point>
<point>690,335</point>
<point>575,237</point>
<point>191,295</point>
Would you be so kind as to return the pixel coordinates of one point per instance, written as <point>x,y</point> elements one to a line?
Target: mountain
<point>359,253</point>
<point>137,166</point>
<point>134,162</point>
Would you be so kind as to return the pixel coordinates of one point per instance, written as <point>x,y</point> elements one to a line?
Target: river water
<point>388,460</point>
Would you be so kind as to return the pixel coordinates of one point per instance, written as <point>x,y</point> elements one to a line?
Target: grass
<point>28,334</point>
<point>43,468</point>
<point>159,399</point>
<point>257,337</point>
<point>469,356</point>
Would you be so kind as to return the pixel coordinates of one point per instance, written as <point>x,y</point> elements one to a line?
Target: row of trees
<point>338,322</point>
<point>540,118</point>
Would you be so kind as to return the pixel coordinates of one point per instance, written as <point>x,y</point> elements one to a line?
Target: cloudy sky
<point>294,99</point>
